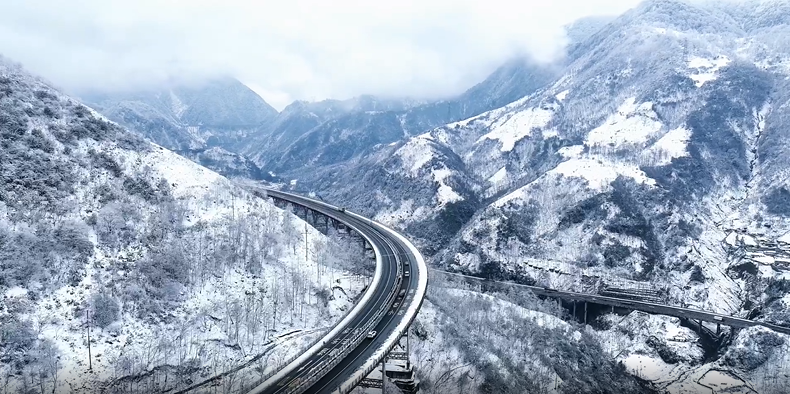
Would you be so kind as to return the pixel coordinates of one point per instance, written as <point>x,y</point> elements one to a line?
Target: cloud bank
<point>286,50</point>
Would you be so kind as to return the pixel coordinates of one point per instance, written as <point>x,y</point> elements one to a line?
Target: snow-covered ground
<point>179,275</point>
<point>416,153</point>
<point>222,321</point>
<point>705,70</point>
<point>470,342</point>
<point>632,124</point>
<point>510,129</point>
<point>453,359</point>
<point>659,350</point>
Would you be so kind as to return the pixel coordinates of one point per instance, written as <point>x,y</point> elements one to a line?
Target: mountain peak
<point>679,15</point>
<point>223,102</point>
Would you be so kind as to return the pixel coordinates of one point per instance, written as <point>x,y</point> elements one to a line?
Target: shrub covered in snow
<point>105,309</point>
<point>749,352</point>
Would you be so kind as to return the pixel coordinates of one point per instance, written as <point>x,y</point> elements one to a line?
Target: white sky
<point>286,50</point>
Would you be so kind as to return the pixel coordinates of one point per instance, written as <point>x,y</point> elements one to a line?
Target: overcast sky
<point>290,49</point>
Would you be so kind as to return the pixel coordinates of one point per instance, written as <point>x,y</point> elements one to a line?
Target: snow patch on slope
<point>673,144</point>
<point>416,153</point>
<point>498,176</point>
<point>445,194</point>
<point>186,177</point>
<point>640,358</point>
<point>177,106</point>
<point>705,69</point>
<point>509,130</point>
<point>15,292</point>
<point>406,212</point>
<point>632,124</point>
<point>571,152</point>
<point>599,173</point>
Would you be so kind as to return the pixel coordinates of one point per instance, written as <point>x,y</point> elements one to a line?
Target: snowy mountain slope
<point>220,103</point>
<point>353,158</point>
<point>617,134</point>
<point>216,103</point>
<point>300,117</point>
<point>154,123</point>
<point>508,343</point>
<point>330,140</point>
<point>227,163</point>
<point>377,181</point>
<point>580,30</point>
<point>191,119</point>
<point>663,138</point>
<point>178,272</point>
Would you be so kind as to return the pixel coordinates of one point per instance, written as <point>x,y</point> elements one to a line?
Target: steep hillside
<point>191,119</point>
<point>509,344</point>
<point>187,115</point>
<point>269,142</point>
<point>656,160</point>
<point>639,161</point>
<point>321,138</point>
<point>178,274</point>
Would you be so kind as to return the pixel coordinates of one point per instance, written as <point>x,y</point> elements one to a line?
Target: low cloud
<point>300,49</point>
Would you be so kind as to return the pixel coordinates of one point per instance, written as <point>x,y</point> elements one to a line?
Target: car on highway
<point>718,318</point>
<point>342,209</point>
<point>372,334</point>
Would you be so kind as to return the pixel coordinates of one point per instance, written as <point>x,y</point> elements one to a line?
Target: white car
<point>372,334</point>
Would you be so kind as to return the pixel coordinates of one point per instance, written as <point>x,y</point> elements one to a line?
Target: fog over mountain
<point>286,51</point>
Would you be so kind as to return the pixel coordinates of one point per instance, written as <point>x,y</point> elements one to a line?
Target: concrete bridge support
<point>585,312</point>
<point>398,369</point>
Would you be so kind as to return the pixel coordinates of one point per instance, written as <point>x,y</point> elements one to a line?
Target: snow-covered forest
<point>177,275</point>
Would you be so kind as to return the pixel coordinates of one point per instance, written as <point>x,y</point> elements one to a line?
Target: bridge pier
<point>316,219</point>
<point>396,366</point>
<point>310,216</point>
<point>585,312</point>
<point>326,225</point>
<point>574,310</point>
<point>383,374</point>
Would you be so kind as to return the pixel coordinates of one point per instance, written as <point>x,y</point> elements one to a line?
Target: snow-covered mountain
<point>309,136</point>
<point>197,120</point>
<point>187,116</point>
<point>653,144</point>
<point>657,158</point>
<point>179,275</point>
